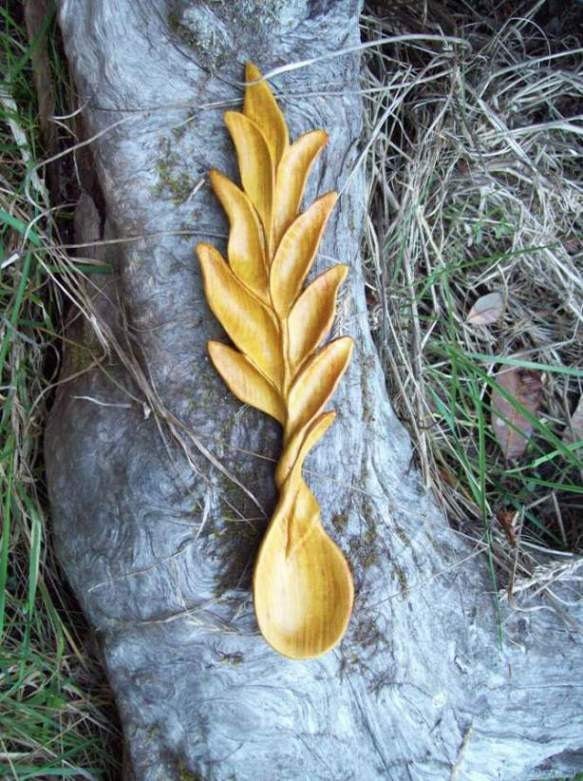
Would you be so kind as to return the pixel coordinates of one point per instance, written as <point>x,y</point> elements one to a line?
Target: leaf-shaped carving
<point>243,379</point>
<point>246,249</point>
<point>296,252</point>
<point>303,519</point>
<point>302,585</point>
<point>247,321</point>
<point>312,315</point>
<point>300,444</point>
<point>300,512</point>
<point>261,107</point>
<point>317,381</point>
<point>255,163</point>
<point>290,181</point>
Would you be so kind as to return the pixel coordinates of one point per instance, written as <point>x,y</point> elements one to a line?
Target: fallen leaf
<point>511,428</point>
<point>573,246</point>
<point>487,309</point>
<point>574,430</point>
<point>507,520</point>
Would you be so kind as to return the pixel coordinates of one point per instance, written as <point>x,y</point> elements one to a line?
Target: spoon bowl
<point>303,596</point>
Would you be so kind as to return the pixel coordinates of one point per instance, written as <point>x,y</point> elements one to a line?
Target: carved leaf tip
<point>261,107</point>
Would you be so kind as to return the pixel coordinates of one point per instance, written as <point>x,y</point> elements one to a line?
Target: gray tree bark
<point>158,542</point>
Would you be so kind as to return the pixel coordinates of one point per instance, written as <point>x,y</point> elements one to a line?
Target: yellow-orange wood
<point>302,585</point>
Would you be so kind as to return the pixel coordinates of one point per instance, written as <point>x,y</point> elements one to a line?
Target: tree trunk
<point>147,452</point>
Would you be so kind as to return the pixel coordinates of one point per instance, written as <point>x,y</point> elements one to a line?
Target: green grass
<point>461,389</point>
<point>459,383</point>
<point>459,208</point>
<point>54,703</point>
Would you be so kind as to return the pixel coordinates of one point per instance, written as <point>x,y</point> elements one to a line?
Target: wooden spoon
<point>303,600</point>
<point>302,585</point>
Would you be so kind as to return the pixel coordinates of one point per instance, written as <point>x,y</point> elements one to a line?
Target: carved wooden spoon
<point>302,585</point>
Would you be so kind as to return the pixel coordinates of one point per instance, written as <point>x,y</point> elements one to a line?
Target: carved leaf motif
<point>290,182</point>
<point>312,315</point>
<point>296,253</point>
<point>301,577</point>
<point>301,443</point>
<point>316,383</point>
<point>245,381</point>
<point>246,250</point>
<point>261,107</point>
<point>248,322</point>
<point>301,510</point>
<point>255,163</point>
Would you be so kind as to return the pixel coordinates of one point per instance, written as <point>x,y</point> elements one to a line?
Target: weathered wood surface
<point>159,551</point>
